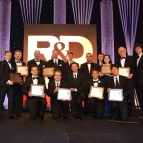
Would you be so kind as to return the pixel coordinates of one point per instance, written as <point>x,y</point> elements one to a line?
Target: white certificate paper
<point>37,90</point>
<point>64,94</point>
<point>115,95</point>
<point>23,70</point>
<point>96,92</point>
<point>124,71</point>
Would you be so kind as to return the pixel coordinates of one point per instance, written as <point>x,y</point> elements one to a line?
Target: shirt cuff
<point>75,89</point>
<point>7,81</point>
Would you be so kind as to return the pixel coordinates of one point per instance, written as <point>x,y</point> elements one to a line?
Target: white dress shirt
<point>57,82</point>
<point>55,60</point>
<point>37,61</point>
<point>9,64</point>
<point>123,61</point>
<point>18,64</point>
<point>35,81</point>
<point>115,79</point>
<point>96,83</point>
<point>89,66</point>
<point>139,59</point>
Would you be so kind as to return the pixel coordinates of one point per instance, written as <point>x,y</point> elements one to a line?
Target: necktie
<point>35,78</point>
<point>117,83</point>
<point>123,58</point>
<point>74,77</point>
<point>57,84</point>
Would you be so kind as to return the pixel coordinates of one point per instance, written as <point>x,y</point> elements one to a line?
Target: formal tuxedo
<point>5,70</point>
<point>129,62</point>
<point>60,66</point>
<point>56,104</point>
<point>139,80</point>
<point>18,95</point>
<point>68,69</point>
<point>96,105</point>
<point>34,102</point>
<point>77,96</point>
<point>85,70</point>
<point>100,65</point>
<point>123,104</point>
<point>41,65</point>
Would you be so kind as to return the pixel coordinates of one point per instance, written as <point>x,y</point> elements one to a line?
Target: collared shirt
<point>89,66</point>
<point>57,83</point>
<point>70,62</point>
<point>123,61</point>
<point>95,82</point>
<point>8,61</point>
<point>139,57</point>
<point>37,61</point>
<point>35,81</point>
<point>75,75</point>
<point>18,62</point>
<point>115,79</point>
<point>55,60</point>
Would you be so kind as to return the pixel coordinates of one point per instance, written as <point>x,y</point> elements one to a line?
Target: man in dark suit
<point>77,82</point>
<point>100,60</point>
<point>36,62</point>
<point>118,82</point>
<point>86,69</point>
<point>96,104</point>
<point>57,64</point>
<point>128,61</point>
<point>56,104</point>
<point>35,104</point>
<point>6,84</point>
<point>68,69</point>
<point>18,95</point>
<point>139,75</point>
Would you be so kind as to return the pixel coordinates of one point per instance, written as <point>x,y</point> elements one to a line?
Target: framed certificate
<point>22,69</point>
<point>64,94</point>
<point>37,90</point>
<point>105,69</point>
<point>16,77</point>
<point>96,92</point>
<point>115,95</point>
<point>124,71</point>
<point>48,71</point>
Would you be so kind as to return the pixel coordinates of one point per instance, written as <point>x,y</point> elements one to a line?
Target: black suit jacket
<point>68,69</point>
<point>27,86</point>
<point>33,63</point>
<point>139,71</point>
<point>84,69</point>
<point>5,73</point>
<point>122,83</point>
<point>89,83</point>
<point>60,66</point>
<point>79,84</point>
<point>129,62</point>
<point>51,88</point>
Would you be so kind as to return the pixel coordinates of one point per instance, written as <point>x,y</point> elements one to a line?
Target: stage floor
<point>70,131</point>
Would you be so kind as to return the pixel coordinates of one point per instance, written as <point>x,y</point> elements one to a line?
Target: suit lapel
<point>140,60</point>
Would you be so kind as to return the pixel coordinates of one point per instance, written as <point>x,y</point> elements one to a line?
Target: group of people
<point>78,79</point>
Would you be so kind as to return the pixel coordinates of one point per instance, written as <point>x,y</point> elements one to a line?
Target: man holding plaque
<point>6,85</point>
<point>86,69</point>
<point>96,102</point>
<point>36,62</point>
<point>18,95</point>
<point>35,103</point>
<point>77,83</point>
<point>57,64</point>
<point>128,61</point>
<point>53,88</point>
<point>139,75</point>
<point>118,82</point>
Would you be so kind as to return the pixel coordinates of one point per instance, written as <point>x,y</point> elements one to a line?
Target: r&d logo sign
<point>79,39</point>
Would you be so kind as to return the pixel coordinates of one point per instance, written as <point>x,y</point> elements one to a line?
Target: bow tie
<point>37,61</point>
<point>138,57</point>
<point>17,61</point>
<point>95,81</point>
<point>88,63</point>
<point>35,78</point>
<point>8,61</point>
<point>123,58</point>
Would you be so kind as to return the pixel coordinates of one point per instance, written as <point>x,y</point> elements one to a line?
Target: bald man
<point>128,61</point>
<point>36,62</point>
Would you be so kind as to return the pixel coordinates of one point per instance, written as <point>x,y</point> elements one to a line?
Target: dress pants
<point>122,108</point>
<point>56,106</point>
<point>36,106</point>
<point>9,91</point>
<point>76,105</point>
<point>96,107</point>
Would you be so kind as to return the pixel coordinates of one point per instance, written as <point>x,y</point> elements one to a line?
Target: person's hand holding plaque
<point>10,82</point>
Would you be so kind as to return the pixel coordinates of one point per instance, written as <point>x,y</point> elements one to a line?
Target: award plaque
<point>124,71</point>
<point>22,69</point>
<point>97,92</point>
<point>15,77</point>
<point>64,94</point>
<point>48,71</point>
<point>37,90</point>
<point>115,95</point>
<point>105,70</point>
